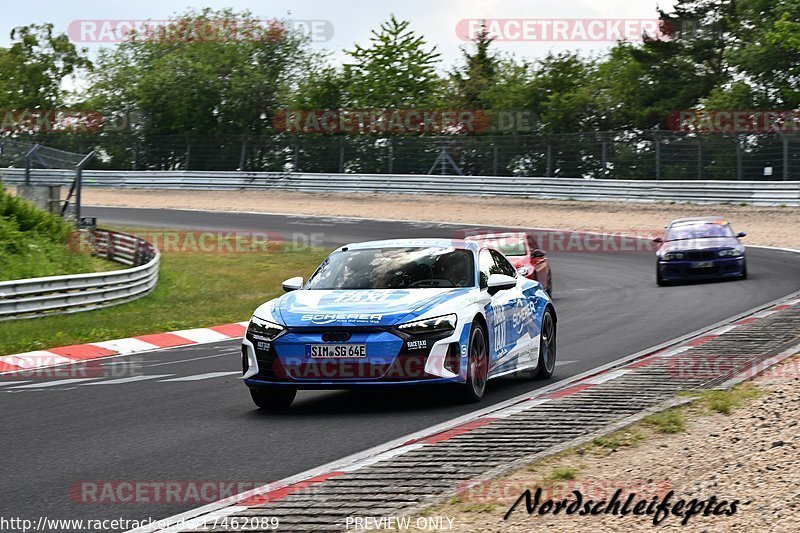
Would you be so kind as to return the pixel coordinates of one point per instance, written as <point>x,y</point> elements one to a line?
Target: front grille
<point>336,336</point>
<point>706,271</point>
<point>699,255</point>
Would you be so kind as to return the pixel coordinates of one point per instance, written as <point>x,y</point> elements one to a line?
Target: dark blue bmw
<point>700,248</point>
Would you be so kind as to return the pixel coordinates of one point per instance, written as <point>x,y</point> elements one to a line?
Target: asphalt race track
<point>190,419</point>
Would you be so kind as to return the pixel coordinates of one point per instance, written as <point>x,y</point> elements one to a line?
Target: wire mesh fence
<point>610,155</point>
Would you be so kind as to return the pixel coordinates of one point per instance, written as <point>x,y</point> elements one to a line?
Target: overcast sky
<point>351,20</point>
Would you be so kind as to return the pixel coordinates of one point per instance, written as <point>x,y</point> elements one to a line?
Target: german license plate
<point>702,264</point>
<point>337,351</point>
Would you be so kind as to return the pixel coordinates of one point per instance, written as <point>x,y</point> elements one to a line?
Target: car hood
<point>701,244</point>
<point>384,307</point>
<point>518,260</point>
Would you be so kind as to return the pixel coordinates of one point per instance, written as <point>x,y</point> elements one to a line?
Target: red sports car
<point>523,252</point>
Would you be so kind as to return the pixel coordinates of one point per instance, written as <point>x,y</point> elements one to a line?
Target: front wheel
<point>273,399</point>
<point>659,279</point>
<point>477,365</point>
<point>547,346</point>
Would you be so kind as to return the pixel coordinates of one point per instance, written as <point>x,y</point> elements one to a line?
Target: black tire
<point>744,271</point>
<point>273,399</point>
<point>477,365</point>
<point>547,346</point>
<point>659,280</point>
<point>549,288</point>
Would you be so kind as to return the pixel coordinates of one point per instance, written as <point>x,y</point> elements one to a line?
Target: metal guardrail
<point>750,192</point>
<point>30,298</point>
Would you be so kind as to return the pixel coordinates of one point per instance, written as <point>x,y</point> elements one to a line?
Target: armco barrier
<point>750,192</point>
<point>28,298</point>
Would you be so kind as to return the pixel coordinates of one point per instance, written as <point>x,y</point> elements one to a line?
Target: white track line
<point>54,383</point>
<point>199,377</point>
<point>131,379</point>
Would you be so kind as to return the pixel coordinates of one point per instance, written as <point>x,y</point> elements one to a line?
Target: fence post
<point>391,155</point>
<point>699,158</point>
<point>243,153</point>
<point>604,151</point>
<point>739,169</point>
<point>785,157</point>
<point>296,163</point>
<point>549,172</point>
<point>658,158</point>
<point>188,152</point>
<point>495,157</point>
<point>341,153</point>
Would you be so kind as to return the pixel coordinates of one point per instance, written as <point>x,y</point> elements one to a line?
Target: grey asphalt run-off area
<point>194,420</point>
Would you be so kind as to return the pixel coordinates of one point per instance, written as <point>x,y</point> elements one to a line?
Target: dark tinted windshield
<point>510,246</point>
<point>395,268</point>
<point>699,230</point>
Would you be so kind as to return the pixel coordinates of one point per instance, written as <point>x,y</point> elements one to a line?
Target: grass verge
<point>34,243</point>
<point>194,290</point>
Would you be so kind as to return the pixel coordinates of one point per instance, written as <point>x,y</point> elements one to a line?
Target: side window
<point>502,266</point>
<point>486,266</point>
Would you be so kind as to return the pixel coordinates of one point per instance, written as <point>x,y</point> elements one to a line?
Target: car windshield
<point>699,230</point>
<point>508,246</point>
<point>395,268</point>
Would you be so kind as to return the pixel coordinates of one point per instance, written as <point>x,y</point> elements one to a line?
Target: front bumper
<point>391,360</point>
<point>728,267</point>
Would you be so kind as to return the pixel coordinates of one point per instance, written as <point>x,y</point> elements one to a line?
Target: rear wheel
<point>273,399</point>
<point>547,346</point>
<point>477,364</point>
<point>549,288</point>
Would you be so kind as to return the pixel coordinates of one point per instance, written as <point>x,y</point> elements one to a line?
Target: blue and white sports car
<point>400,312</point>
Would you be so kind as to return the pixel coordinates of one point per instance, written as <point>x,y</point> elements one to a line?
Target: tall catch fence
<point>651,155</point>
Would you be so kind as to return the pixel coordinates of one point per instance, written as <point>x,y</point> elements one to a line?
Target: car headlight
<point>524,270</point>
<point>731,252</point>
<point>430,326</point>
<point>263,329</point>
<point>673,256</point>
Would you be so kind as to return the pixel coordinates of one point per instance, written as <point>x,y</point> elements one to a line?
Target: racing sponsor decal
<point>328,318</point>
<point>523,314</point>
<point>417,344</point>
<point>367,296</point>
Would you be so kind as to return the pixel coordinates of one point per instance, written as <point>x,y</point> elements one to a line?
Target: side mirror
<point>741,234</point>
<point>293,284</point>
<point>538,254</point>
<point>501,282</point>
<point>658,240</point>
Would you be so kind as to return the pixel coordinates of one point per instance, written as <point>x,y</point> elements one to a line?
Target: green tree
<point>207,72</point>
<point>674,71</point>
<point>33,68</point>
<point>766,58</point>
<point>322,87</point>
<point>560,92</point>
<point>397,70</point>
<point>474,80</point>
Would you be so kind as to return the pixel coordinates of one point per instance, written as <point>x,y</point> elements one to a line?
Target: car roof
<point>494,236</point>
<point>412,243</point>
<point>690,220</point>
